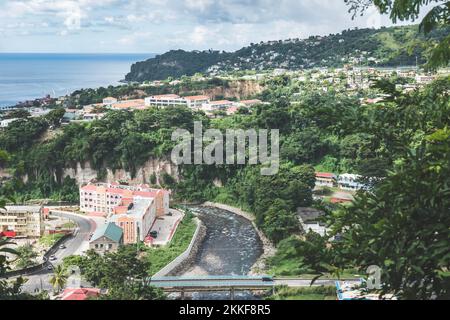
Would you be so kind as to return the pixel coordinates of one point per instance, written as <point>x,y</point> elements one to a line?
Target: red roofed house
<point>324,179</point>
<point>79,294</point>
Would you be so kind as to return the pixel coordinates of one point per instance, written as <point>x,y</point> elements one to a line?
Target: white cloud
<point>160,25</point>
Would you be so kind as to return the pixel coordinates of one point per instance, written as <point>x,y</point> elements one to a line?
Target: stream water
<point>231,247</point>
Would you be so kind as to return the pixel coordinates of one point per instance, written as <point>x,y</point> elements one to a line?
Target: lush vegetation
<point>50,239</point>
<point>307,293</point>
<point>438,14</point>
<point>11,290</point>
<point>373,47</point>
<point>123,273</point>
<point>160,257</point>
<point>122,140</point>
<point>175,63</point>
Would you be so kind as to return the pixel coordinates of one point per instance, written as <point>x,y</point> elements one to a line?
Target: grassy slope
<point>160,257</point>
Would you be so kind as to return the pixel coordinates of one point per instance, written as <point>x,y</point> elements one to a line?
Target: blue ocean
<point>27,76</point>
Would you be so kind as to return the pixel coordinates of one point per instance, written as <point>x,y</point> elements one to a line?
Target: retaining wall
<point>186,258</point>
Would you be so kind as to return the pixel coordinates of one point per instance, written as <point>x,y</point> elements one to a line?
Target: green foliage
<point>400,10</point>
<point>175,63</point>
<point>403,225</point>
<point>123,273</point>
<point>26,256</point>
<point>158,258</point>
<point>308,293</point>
<point>59,278</point>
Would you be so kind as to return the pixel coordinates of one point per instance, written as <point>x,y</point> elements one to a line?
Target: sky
<point>156,26</point>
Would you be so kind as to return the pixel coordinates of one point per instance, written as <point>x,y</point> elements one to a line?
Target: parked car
<point>62,247</point>
<point>154,234</point>
<point>53,257</point>
<point>49,267</point>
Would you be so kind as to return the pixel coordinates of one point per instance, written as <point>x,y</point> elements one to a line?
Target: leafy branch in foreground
<point>409,10</point>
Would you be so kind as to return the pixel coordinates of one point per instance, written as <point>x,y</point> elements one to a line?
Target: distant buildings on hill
<point>346,181</point>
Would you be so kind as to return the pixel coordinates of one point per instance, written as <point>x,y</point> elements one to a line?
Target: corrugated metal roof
<point>109,230</point>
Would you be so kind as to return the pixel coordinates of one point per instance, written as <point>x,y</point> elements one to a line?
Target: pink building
<point>133,208</point>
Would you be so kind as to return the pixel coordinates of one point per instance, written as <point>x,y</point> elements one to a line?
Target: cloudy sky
<point>155,26</point>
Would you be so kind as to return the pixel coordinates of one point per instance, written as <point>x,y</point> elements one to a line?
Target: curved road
<point>75,245</point>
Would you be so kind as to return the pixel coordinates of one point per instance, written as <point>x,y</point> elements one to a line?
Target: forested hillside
<point>393,46</point>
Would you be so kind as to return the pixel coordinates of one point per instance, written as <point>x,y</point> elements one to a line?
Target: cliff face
<point>241,89</point>
<point>85,174</point>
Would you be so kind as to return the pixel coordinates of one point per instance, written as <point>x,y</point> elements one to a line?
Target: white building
<point>196,102</point>
<point>109,101</point>
<point>5,123</point>
<point>350,182</point>
<point>166,100</point>
<point>23,221</point>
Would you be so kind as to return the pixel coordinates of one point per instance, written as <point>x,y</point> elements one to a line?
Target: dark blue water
<point>27,76</point>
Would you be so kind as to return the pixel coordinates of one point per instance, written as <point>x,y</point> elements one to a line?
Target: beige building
<point>22,221</point>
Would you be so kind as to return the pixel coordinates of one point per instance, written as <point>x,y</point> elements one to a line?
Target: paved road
<point>74,245</point>
<point>235,281</point>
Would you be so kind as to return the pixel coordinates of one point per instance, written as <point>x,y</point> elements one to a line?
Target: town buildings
<point>22,221</point>
<point>350,182</point>
<point>324,179</point>
<point>164,101</point>
<point>310,220</point>
<point>79,294</point>
<point>132,208</point>
<point>107,238</point>
<point>6,122</point>
<point>196,102</point>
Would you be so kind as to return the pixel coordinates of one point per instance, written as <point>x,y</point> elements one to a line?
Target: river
<point>231,247</point>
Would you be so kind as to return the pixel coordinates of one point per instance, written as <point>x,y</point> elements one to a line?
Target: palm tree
<point>4,249</point>
<point>59,278</point>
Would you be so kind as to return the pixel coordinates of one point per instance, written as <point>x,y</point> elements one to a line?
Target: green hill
<point>394,46</point>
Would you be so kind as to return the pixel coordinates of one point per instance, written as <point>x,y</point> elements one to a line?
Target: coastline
<point>268,247</point>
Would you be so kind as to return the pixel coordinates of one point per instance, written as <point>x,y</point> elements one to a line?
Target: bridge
<point>212,283</point>
<point>232,283</point>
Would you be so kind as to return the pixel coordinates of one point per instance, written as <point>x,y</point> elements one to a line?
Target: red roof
<point>89,187</point>
<point>324,175</point>
<point>79,293</point>
<point>145,194</point>
<point>194,98</point>
<point>339,200</point>
<point>8,234</point>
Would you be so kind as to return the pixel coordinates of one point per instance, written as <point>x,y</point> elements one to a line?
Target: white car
<point>53,257</point>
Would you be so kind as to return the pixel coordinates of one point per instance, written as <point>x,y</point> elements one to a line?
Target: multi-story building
<point>166,100</point>
<point>109,101</point>
<point>325,179</point>
<point>134,104</point>
<point>350,182</point>
<point>22,221</point>
<point>133,208</point>
<point>196,102</point>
